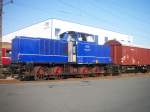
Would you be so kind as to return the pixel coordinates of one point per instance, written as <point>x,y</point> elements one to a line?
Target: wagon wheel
<point>96,70</point>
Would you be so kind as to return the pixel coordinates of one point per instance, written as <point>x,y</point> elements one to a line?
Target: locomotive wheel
<point>39,72</point>
<point>83,71</point>
<point>57,72</point>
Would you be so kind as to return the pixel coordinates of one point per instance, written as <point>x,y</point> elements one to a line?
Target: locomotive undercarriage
<point>50,71</point>
<point>40,71</point>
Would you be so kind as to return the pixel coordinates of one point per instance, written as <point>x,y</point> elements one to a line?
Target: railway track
<point>126,75</point>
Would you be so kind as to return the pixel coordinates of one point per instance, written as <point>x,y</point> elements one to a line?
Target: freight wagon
<point>5,60</point>
<point>129,58</point>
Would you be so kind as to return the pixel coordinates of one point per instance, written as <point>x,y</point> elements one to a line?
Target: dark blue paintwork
<point>27,49</point>
<point>86,52</point>
<point>40,50</point>
<point>103,54</point>
<point>91,53</point>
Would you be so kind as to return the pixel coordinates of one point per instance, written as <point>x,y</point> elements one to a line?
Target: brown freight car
<point>129,58</point>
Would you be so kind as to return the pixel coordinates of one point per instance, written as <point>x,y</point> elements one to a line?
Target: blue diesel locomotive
<point>76,54</point>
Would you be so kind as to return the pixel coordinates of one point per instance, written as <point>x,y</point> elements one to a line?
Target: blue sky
<point>125,16</point>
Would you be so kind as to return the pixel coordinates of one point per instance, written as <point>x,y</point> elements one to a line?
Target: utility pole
<point>1,11</point>
<point>1,14</point>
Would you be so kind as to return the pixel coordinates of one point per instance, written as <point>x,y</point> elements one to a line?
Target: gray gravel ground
<point>105,95</point>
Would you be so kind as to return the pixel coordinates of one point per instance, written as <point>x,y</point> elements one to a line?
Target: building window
<point>46,25</point>
<point>96,38</point>
<point>106,39</point>
<point>57,31</point>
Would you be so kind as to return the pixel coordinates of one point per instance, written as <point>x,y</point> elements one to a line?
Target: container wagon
<point>129,58</point>
<point>5,60</point>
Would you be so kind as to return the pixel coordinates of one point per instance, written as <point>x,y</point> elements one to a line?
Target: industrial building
<point>52,28</point>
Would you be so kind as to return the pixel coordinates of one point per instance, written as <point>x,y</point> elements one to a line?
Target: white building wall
<point>37,30</point>
<point>68,26</point>
<point>47,29</point>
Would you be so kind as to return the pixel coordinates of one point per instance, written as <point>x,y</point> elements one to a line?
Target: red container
<point>128,55</point>
<point>6,60</point>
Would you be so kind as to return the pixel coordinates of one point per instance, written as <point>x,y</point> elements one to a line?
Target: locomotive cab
<point>73,38</point>
<point>78,36</point>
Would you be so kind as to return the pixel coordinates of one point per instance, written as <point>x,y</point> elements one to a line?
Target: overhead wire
<point>84,13</point>
<point>120,13</point>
